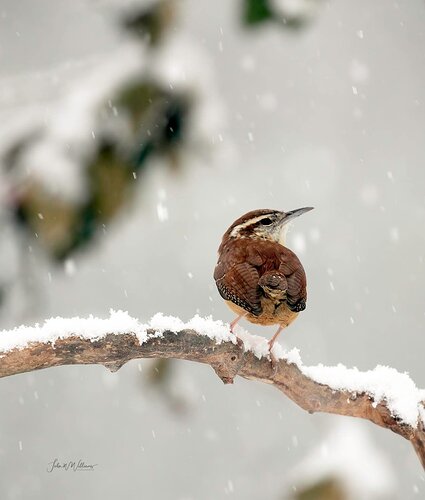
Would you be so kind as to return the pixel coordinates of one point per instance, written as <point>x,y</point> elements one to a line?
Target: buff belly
<point>270,315</point>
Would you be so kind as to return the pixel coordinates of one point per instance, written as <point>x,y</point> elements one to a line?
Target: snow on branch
<point>384,396</point>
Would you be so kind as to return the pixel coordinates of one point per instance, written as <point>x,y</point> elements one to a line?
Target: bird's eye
<point>266,222</point>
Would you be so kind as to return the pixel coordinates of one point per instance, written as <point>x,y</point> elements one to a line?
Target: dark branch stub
<point>229,365</point>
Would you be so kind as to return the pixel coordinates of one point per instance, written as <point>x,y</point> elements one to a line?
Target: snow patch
<point>119,322</point>
<point>254,343</point>
<point>54,329</point>
<point>382,384</point>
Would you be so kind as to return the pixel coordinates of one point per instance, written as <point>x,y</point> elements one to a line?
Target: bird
<point>260,279</point>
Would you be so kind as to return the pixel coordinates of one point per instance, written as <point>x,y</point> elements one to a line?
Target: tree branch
<point>226,358</point>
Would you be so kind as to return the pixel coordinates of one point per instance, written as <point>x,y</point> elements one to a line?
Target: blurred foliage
<point>156,121</point>
<point>326,489</point>
<point>150,24</point>
<point>49,218</point>
<point>63,227</point>
<point>163,115</point>
<point>292,14</point>
<point>256,11</point>
<point>159,372</point>
<point>160,378</point>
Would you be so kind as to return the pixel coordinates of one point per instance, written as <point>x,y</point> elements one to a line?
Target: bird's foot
<point>232,331</point>
<point>234,323</point>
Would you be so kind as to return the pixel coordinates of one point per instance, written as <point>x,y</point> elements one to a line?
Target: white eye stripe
<point>251,222</point>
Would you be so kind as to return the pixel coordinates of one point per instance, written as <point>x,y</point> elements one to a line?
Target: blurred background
<point>131,135</point>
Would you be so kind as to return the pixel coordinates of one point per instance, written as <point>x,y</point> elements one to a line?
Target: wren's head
<point>264,224</point>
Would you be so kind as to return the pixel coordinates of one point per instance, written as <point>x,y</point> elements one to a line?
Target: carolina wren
<point>258,277</point>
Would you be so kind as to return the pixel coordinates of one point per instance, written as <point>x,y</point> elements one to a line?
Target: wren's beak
<point>288,216</point>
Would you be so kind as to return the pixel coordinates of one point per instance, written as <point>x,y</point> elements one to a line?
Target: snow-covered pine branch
<point>383,395</point>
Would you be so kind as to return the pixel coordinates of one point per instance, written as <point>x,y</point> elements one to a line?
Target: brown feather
<point>261,277</point>
<point>240,285</point>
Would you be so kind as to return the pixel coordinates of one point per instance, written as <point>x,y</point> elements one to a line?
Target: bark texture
<point>227,360</point>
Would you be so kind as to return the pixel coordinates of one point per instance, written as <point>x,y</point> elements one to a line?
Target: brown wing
<point>240,285</point>
<point>279,266</point>
<point>296,295</point>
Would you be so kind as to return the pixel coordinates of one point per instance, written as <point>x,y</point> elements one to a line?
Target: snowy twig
<point>383,396</point>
